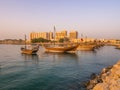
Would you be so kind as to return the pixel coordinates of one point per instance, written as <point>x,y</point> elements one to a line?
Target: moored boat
<point>118,47</point>
<point>31,50</point>
<point>61,49</point>
<point>85,47</point>
<point>68,48</point>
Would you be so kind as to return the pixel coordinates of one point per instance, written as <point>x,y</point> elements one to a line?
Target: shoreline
<point>107,79</point>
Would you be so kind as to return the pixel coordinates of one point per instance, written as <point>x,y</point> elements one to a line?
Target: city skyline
<point>54,35</point>
<point>91,18</point>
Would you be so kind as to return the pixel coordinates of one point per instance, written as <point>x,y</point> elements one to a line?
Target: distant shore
<point>12,41</point>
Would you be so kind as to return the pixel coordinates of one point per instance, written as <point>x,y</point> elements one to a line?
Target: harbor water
<point>51,71</point>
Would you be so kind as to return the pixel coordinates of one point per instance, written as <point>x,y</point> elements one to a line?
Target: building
<point>73,35</point>
<point>50,35</point>
<point>44,35</point>
<point>59,35</point>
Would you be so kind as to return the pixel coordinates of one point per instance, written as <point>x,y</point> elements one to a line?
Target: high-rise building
<point>50,35</point>
<point>34,35</point>
<point>60,35</point>
<point>73,35</point>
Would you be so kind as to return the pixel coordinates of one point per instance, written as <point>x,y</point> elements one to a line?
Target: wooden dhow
<point>118,46</point>
<point>68,48</point>
<point>64,48</point>
<point>86,47</point>
<point>31,50</point>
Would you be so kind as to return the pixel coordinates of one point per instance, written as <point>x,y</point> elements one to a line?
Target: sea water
<point>51,71</point>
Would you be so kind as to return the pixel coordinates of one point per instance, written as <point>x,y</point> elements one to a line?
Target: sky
<point>91,18</point>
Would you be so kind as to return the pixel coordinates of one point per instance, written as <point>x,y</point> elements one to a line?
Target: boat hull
<point>61,49</point>
<point>118,47</point>
<point>29,51</point>
<point>86,47</point>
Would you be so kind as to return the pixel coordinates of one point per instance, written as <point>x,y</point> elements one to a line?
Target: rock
<point>84,84</point>
<point>105,70</point>
<point>108,79</point>
<point>114,87</point>
<point>99,80</point>
<point>101,86</point>
<point>93,76</point>
<point>90,86</point>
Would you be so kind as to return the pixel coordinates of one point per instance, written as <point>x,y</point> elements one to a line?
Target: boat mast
<point>25,41</point>
<point>54,34</point>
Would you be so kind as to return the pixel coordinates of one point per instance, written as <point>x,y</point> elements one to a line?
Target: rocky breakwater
<point>108,79</point>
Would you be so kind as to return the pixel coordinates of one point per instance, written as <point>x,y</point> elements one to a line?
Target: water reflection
<point>30,58</point>
<point>62,56</point>
<point>91,51</point>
